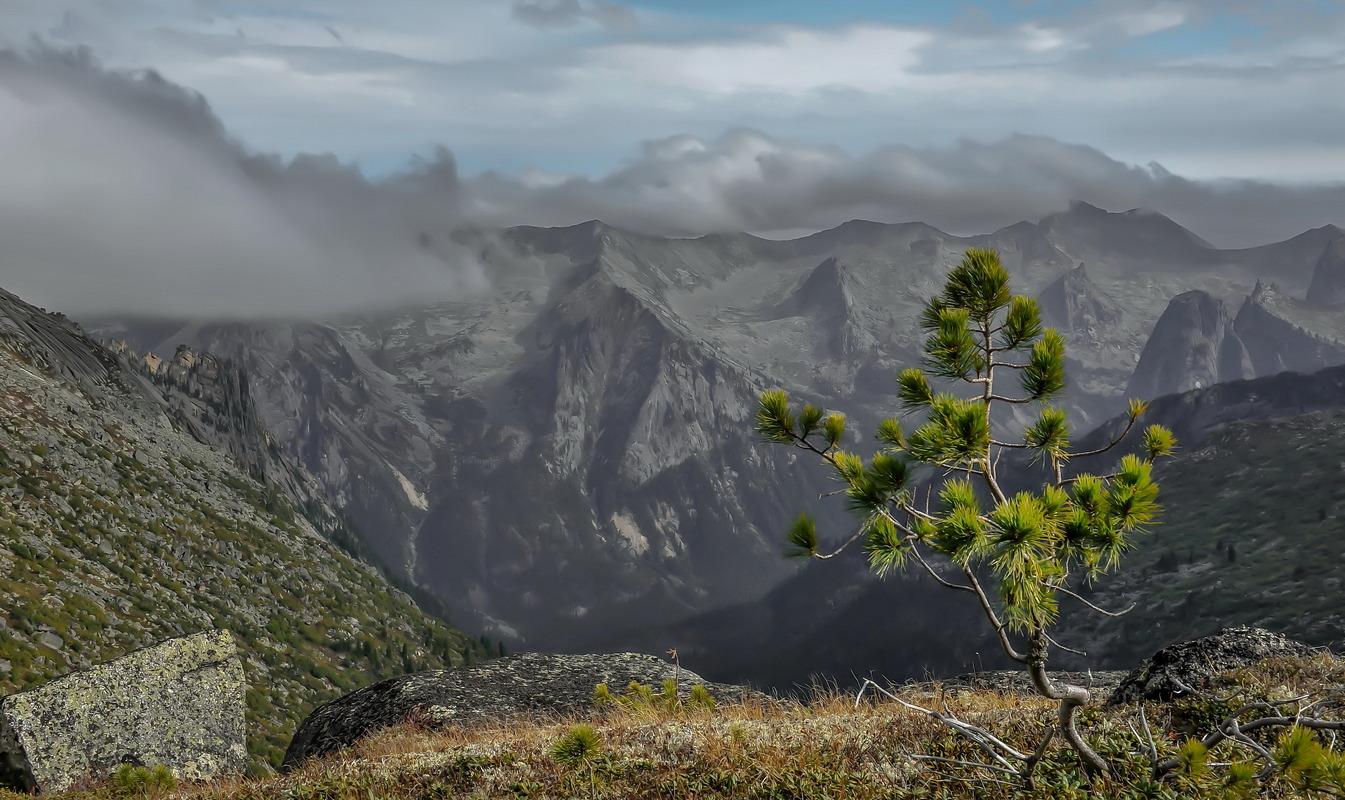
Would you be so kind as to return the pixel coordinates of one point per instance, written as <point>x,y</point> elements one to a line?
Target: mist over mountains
<point>126,194</point>
<point>570,462</point>
<point>544,421</point>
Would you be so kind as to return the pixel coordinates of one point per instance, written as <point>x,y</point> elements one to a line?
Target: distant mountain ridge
<point>575,449</point>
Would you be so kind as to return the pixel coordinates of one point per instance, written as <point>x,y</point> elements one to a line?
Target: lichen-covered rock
<point>1101,683</point>
<point>1193,663</point>
<point>179,703</point>
<point>533,684</point>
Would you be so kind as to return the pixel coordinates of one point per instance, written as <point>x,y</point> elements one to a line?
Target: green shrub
<point>131,780</point>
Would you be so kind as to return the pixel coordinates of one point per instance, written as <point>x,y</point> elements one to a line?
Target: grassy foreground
<point>829,748</point>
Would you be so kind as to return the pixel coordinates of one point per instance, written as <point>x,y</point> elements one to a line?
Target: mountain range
<point>569,459</point>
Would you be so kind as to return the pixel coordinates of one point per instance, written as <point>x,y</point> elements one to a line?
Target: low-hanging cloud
<point>123,193</point>
<point>748,181</point>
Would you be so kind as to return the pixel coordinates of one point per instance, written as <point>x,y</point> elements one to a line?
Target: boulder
<point>1193,663</point>
<point>178,703</point>
<point>526,684</point>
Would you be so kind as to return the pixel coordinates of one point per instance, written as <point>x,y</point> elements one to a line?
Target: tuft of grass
<point>576,747</point>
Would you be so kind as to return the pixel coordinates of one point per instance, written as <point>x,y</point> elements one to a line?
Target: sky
<point>195,150</point>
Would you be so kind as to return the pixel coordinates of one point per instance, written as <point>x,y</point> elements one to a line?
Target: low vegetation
<point>117,532</point>
<point>831,747</point>
<point>1020,555</point>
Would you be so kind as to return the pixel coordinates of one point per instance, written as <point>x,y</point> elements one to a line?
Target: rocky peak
<point>55,345</point>
<point>1275,341</point>
<point>1072,303</point>
<point>1328,277</point>
<point>826,295</point>
<point>1193,345</point>
<point>1136,236</point>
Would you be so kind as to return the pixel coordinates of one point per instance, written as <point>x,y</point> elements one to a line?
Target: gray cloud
<point>546,14</point>
<point>746,180</point>
<point>124,193</point>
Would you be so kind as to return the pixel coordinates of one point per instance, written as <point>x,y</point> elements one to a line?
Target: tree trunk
<point>1071,699</point>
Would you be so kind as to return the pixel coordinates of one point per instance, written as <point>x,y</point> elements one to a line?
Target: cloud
<point>747,180</point>
<point>547,14</point>
<point>1211,88</point>
<point>123,192</point>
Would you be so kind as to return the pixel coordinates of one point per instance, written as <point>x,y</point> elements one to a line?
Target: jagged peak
<point>1022,226</point>
<point>1077,206</point>
<point>1146,220</point>
<point>1262,291</point>
<point>823,293</point>
<point>865,232</point>
<point>1327,287</point>
<point>578,241</point>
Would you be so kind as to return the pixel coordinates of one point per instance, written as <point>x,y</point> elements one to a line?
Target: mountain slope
<point>574,448</point>
<point>1250,535</point>
<point>119,528</point>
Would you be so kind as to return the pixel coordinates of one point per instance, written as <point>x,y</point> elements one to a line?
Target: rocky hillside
<point>1250,532</point>
<point>1247,534</point>
<point>574,449</point>
<point>139,500</point>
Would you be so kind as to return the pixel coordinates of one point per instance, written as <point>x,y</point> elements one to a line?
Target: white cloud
<point>123,193</point>
<point>399,76</point>
<point>786,60</point>
<point>746,180</point>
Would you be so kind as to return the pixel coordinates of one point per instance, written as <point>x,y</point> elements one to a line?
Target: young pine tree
<point>1030,546</point>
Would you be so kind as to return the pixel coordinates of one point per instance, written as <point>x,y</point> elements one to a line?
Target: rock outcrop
<point>1328,277</point>
<point>1192,664</point>
<point>1192,346</point>
<point>527,684</point>
<point>1276,342</point>
<point>179,704</point>
<point>1073,304</point>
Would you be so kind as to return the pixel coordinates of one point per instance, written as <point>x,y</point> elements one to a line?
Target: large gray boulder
<point>1193,663</point>
<point>528,684</point>
<point>179,703</point>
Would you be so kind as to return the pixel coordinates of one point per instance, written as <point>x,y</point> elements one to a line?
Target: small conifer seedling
<point>1029,547</point>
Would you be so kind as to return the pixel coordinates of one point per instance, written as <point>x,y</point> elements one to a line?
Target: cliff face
<point>1193,345</point>
<point>1328,277</point>
<point>126,518</point>
<point>574,448</point>
<point>1280,336</point>
<point>1097,328</point>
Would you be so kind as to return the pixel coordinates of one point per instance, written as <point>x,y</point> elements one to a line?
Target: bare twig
<point>937,576</point>
<point>1081,599</point>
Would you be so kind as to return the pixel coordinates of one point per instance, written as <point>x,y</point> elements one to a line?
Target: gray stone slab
<point>179,703</point>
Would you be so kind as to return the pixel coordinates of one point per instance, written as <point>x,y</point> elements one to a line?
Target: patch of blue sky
<point>1215,35</point>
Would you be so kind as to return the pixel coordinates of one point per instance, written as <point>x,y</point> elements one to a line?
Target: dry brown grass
<point>828,748</point>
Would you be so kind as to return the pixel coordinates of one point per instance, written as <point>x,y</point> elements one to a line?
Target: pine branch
<point>1130,424</point>
<point>1081,599</point>
<point>936,575</point>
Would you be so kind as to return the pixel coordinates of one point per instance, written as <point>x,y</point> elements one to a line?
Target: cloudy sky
<point>298,122</point>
